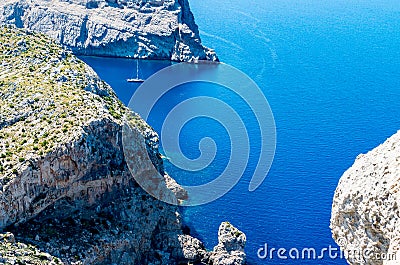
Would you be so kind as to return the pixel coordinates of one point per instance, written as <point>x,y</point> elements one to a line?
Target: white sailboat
<point>137,79</point>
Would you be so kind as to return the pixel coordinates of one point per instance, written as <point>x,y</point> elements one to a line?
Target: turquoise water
<point>331,73</point>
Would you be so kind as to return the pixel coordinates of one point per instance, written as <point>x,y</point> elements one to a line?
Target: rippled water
<point>331,73</point>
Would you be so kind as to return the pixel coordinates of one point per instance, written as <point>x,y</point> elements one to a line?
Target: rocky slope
<point>156,29</point>
<point>12,252</point>
<point>65,188</point>
<point>365,213</point>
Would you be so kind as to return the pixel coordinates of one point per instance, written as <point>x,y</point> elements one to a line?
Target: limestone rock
<point>365,212</point>
<point>62,161</point>
<point>229,251</point>
<point>131,228</point>
<point>192,249</point>
<point>65,189</point>
<point>59,138</point>
<point>230,248</point>
<point>19,253</point>
<point>157,29</point>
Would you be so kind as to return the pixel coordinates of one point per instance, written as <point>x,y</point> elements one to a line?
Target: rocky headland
<point>147,29</point>
<point>66,194</point>
<point>365,218</point>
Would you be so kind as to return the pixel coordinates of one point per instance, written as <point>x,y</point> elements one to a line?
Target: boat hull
<point>135,80</point>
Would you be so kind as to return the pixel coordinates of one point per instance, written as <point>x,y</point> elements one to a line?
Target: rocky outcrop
<point>156,29</point>
<point>66,192</point>
<point>61,133</point>
<point>70,240</point>
<point>12,252</point>
<point>365,218</point>
<point>230,248</point>
<point>229,251</point>
<point>61,156</point>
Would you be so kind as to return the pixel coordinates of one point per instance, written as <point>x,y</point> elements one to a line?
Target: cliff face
<point>60,129</point>
<point>65,188</point>
<point>157,29</point>
<point>365,212</point>
<point>61,155</point>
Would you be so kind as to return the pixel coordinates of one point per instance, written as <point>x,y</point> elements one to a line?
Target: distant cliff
<point>365,213</point>
<point>66,194</point>
<point>151,29</point>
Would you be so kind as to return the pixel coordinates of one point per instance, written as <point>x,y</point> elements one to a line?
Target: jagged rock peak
<point>229,251</point>
<point>230,248</point>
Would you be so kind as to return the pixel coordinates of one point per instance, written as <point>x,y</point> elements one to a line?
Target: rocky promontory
<point>365,218</point>
<point>148,29</point>
<point>66,193</point>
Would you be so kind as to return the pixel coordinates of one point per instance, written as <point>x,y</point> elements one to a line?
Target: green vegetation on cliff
<point>65,187</point>
<point>60,128</point>
<point>46,96</point>
<point>12,252</point>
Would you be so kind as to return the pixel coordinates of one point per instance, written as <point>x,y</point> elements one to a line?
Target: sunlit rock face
<point>365,212</point>
<point>156,29</point>
<point>67,195</point>
<point>64,182</point>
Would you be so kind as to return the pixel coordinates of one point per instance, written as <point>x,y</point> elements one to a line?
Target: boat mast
<point>137,69</point>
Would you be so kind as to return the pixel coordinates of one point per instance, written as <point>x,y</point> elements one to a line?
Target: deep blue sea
<point>331,73</point>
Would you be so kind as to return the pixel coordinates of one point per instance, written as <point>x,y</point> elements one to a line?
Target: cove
<point>331,74</point>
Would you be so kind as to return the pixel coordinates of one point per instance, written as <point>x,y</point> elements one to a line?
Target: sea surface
<point>331,73</point>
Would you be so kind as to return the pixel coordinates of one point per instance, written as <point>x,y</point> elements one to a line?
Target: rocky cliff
<point>365,213</point>
<point>66,194</point>
<point>151,29</point>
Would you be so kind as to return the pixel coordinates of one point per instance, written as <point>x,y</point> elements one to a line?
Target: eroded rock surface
<point>365,212</point>
<point>230,248</point>
<point>157,29</point>
<point>12,252</point>
<point>61,155</point>
<point>66,192</point>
